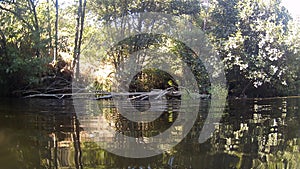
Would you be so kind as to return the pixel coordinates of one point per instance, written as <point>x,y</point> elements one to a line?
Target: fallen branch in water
<point>58,96</point>
<point>100,95</point>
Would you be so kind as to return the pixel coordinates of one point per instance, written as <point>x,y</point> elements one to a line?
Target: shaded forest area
<point>44,44</point>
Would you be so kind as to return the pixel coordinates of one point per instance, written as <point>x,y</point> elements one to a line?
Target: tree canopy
<point>42,42</point>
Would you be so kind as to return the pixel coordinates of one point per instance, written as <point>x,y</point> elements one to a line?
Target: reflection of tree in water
<point>41,136</point>
<point>252,134</point>
<point>146,129</point>
<point>263,136</point>
<point>64,144</point>
<point>94,155</point>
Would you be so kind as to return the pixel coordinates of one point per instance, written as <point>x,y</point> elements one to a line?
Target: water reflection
<point>40,133</point>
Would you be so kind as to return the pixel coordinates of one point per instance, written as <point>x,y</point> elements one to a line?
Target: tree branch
<point>18,16</point>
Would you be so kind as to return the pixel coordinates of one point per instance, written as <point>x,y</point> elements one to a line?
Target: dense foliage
<point>41,40</point>
<point>253,40</point>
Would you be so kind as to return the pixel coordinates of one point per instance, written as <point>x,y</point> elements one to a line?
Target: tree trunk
<point>56,32</point>
<point>78,36</point>
<point>75,55</point>
<point>3,44</point>
<point>36,27</point>
<point>49,28</point>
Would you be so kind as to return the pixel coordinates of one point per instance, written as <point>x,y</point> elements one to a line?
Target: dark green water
<point>46,133</point>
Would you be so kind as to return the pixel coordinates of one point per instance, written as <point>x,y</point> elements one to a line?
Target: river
<point>53,133</point>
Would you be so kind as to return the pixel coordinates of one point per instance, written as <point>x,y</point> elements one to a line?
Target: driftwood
<point>156,94</point>
<point>58,96</point>
<point>98,95</point>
